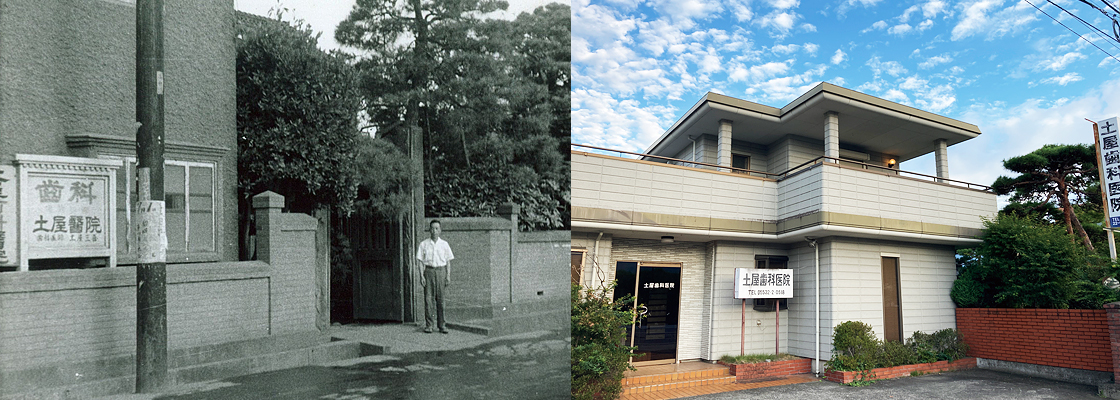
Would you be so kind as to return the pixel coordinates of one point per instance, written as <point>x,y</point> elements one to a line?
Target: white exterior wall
<point>692,257</point>
<point>865,193</point>
<point>802,308</point>
<point>620,184</point>
<point>800,193</point>
<point>851,280</point>
<point>595,275</point>
<point>791,151</point>
<point>727,311</point>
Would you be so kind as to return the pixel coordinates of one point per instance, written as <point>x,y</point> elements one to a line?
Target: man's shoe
<point>444,331</point>
<point>427,330</point>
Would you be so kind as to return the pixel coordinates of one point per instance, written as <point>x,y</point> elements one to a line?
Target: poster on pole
<point>1110,168</point>
<point>763,283</point>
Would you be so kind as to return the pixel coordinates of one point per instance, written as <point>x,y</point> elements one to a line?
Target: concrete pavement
<point>966,384</point>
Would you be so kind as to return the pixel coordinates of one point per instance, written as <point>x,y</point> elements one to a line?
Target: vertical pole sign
<point>9,220</point>
<point>763,284</point>
<point>1108,149</point>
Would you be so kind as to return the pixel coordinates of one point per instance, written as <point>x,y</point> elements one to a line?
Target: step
<point>676,380</point>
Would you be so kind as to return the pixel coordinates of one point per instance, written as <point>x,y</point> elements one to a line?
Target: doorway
<point>892,310</point>
<point>656,287</point>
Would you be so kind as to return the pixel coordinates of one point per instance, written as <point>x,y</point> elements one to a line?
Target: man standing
<point>435,257</point>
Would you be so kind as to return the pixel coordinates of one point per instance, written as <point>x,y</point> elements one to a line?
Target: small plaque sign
<point>763,283</point>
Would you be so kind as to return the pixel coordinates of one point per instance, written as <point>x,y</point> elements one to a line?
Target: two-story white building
<point>814,187</point>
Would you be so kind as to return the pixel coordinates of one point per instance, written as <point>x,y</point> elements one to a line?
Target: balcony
<point>819,198</point>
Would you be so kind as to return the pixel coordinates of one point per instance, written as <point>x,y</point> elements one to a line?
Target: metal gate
<point>379,276</point>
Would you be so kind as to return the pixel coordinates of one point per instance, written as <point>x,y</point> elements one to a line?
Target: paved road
<point>524,368</point>
<point>969,384</point>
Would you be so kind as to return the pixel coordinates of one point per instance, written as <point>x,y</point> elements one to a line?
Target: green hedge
<point>855,348</point>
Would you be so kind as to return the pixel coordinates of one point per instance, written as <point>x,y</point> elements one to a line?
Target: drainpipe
<point>817,332</point>
<point>595,257</point>
<point>712,297</point>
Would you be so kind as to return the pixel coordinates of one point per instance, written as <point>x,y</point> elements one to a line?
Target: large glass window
<point>189,202</point>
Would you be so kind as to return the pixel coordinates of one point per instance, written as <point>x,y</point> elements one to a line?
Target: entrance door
<point>892,311</point>
<point>379,292</point>
<point>657,287</point>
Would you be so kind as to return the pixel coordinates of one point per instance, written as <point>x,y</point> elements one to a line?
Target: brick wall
<point>1060,338</point>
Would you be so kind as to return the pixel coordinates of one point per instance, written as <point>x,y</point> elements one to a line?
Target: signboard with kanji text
<point>1110,164</point>
<point>9,220</point>
<point>67,207</point>
<point>763,283</point>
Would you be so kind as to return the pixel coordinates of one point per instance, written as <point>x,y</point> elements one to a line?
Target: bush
<point>598,329</point>
<point>756,358</point>
<point>968,290</point>
<point>855,348</point>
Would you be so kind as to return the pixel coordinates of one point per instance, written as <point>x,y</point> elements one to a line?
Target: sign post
<point>1106,141</point>
<point>763,284</point>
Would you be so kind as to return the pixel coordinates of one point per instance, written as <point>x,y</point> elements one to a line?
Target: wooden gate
<point>378,276</point>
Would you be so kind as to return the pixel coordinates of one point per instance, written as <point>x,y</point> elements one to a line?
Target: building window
<point>577,266</point>
<point>189,200</point>
<point>740,161</point>
<point>770,262</point>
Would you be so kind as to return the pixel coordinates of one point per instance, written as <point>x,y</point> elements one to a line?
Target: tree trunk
<point>1073,224</point>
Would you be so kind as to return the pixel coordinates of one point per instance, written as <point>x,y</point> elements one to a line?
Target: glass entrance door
<point>657,287</point>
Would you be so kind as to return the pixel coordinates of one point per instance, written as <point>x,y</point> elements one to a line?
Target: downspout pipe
<point>817,331</point>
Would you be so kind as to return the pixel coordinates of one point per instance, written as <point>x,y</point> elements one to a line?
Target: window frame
<point>770,262</point>
<point>126,255</point>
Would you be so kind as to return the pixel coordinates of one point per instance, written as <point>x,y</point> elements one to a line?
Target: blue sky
<point>1000,64</point>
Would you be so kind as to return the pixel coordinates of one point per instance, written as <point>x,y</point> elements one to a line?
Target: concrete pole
<point>941,159</point>
<point>832,135</point>
<point>723,145</point>
<point>151,271</point>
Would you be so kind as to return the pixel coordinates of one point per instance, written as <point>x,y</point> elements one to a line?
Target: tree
<point>297,110</point>
<point>1053,173</point>
<point>488,95</point>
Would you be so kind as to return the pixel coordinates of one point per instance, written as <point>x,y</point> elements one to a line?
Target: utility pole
<point>151,272</point>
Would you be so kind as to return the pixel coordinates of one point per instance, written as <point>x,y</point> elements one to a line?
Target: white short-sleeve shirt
<point>434,254</point>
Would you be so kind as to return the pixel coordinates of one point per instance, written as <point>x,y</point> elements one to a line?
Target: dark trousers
<point>433,296</point>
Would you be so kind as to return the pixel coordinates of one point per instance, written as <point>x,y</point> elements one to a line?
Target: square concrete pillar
<point>832,135</point>
<point>723,144</point>
<point>941,158</point>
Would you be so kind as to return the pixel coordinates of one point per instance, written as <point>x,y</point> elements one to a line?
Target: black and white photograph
<point>262,199</point>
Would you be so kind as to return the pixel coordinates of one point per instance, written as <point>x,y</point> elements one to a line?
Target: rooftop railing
<point>802,167</point>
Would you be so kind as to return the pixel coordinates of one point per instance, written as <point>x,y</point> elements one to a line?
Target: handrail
<point>678,160</point>
<point>782,175</point>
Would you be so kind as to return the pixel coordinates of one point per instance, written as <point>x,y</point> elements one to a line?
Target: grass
<point>756,358</point>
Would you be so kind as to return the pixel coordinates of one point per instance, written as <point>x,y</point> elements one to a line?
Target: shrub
<point>598,329</point>
<point>968,290</point>
<point>945,344</point>
<point>854,347</point>
<point>893,354</point>
<point>756,358</point>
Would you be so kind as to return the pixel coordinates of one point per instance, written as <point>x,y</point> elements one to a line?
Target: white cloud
<point>900,29</point>
<point>838,57</point>
<point>983,17</point>
<point>1064,79</point>
<point>778,22</point>
<point>785,48</point>
<point>913,83</point>
<point>1010,131</point>
<point>931,8</point>
<point>741,9</point>
<point>878,25</point>
<point>682,12</point>
<point>780,90</point>
<point>849,4</point>
<point>1060,62</point>
<point>934,61</point>
<point>896,96</point>
<point>892,68</point>
<point>783,4</point>
<point>811,48</point>
<point>599,119</point>
<point>600,26</point>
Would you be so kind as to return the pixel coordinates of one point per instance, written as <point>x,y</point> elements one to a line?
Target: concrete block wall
<point>480,270</point>
<point>538,271</point>
<point>1078,339</point>
<point>691,255</point>
<point>54,320</point>
<point>64,316</point>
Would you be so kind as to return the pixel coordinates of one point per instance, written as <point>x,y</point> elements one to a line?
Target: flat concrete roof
<point>867,123</point>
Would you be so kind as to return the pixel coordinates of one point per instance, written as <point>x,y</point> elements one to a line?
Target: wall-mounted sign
<point>763,283</point>
<point>1109,145</point>
<point>66,207</point>
<point>9,218</point>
